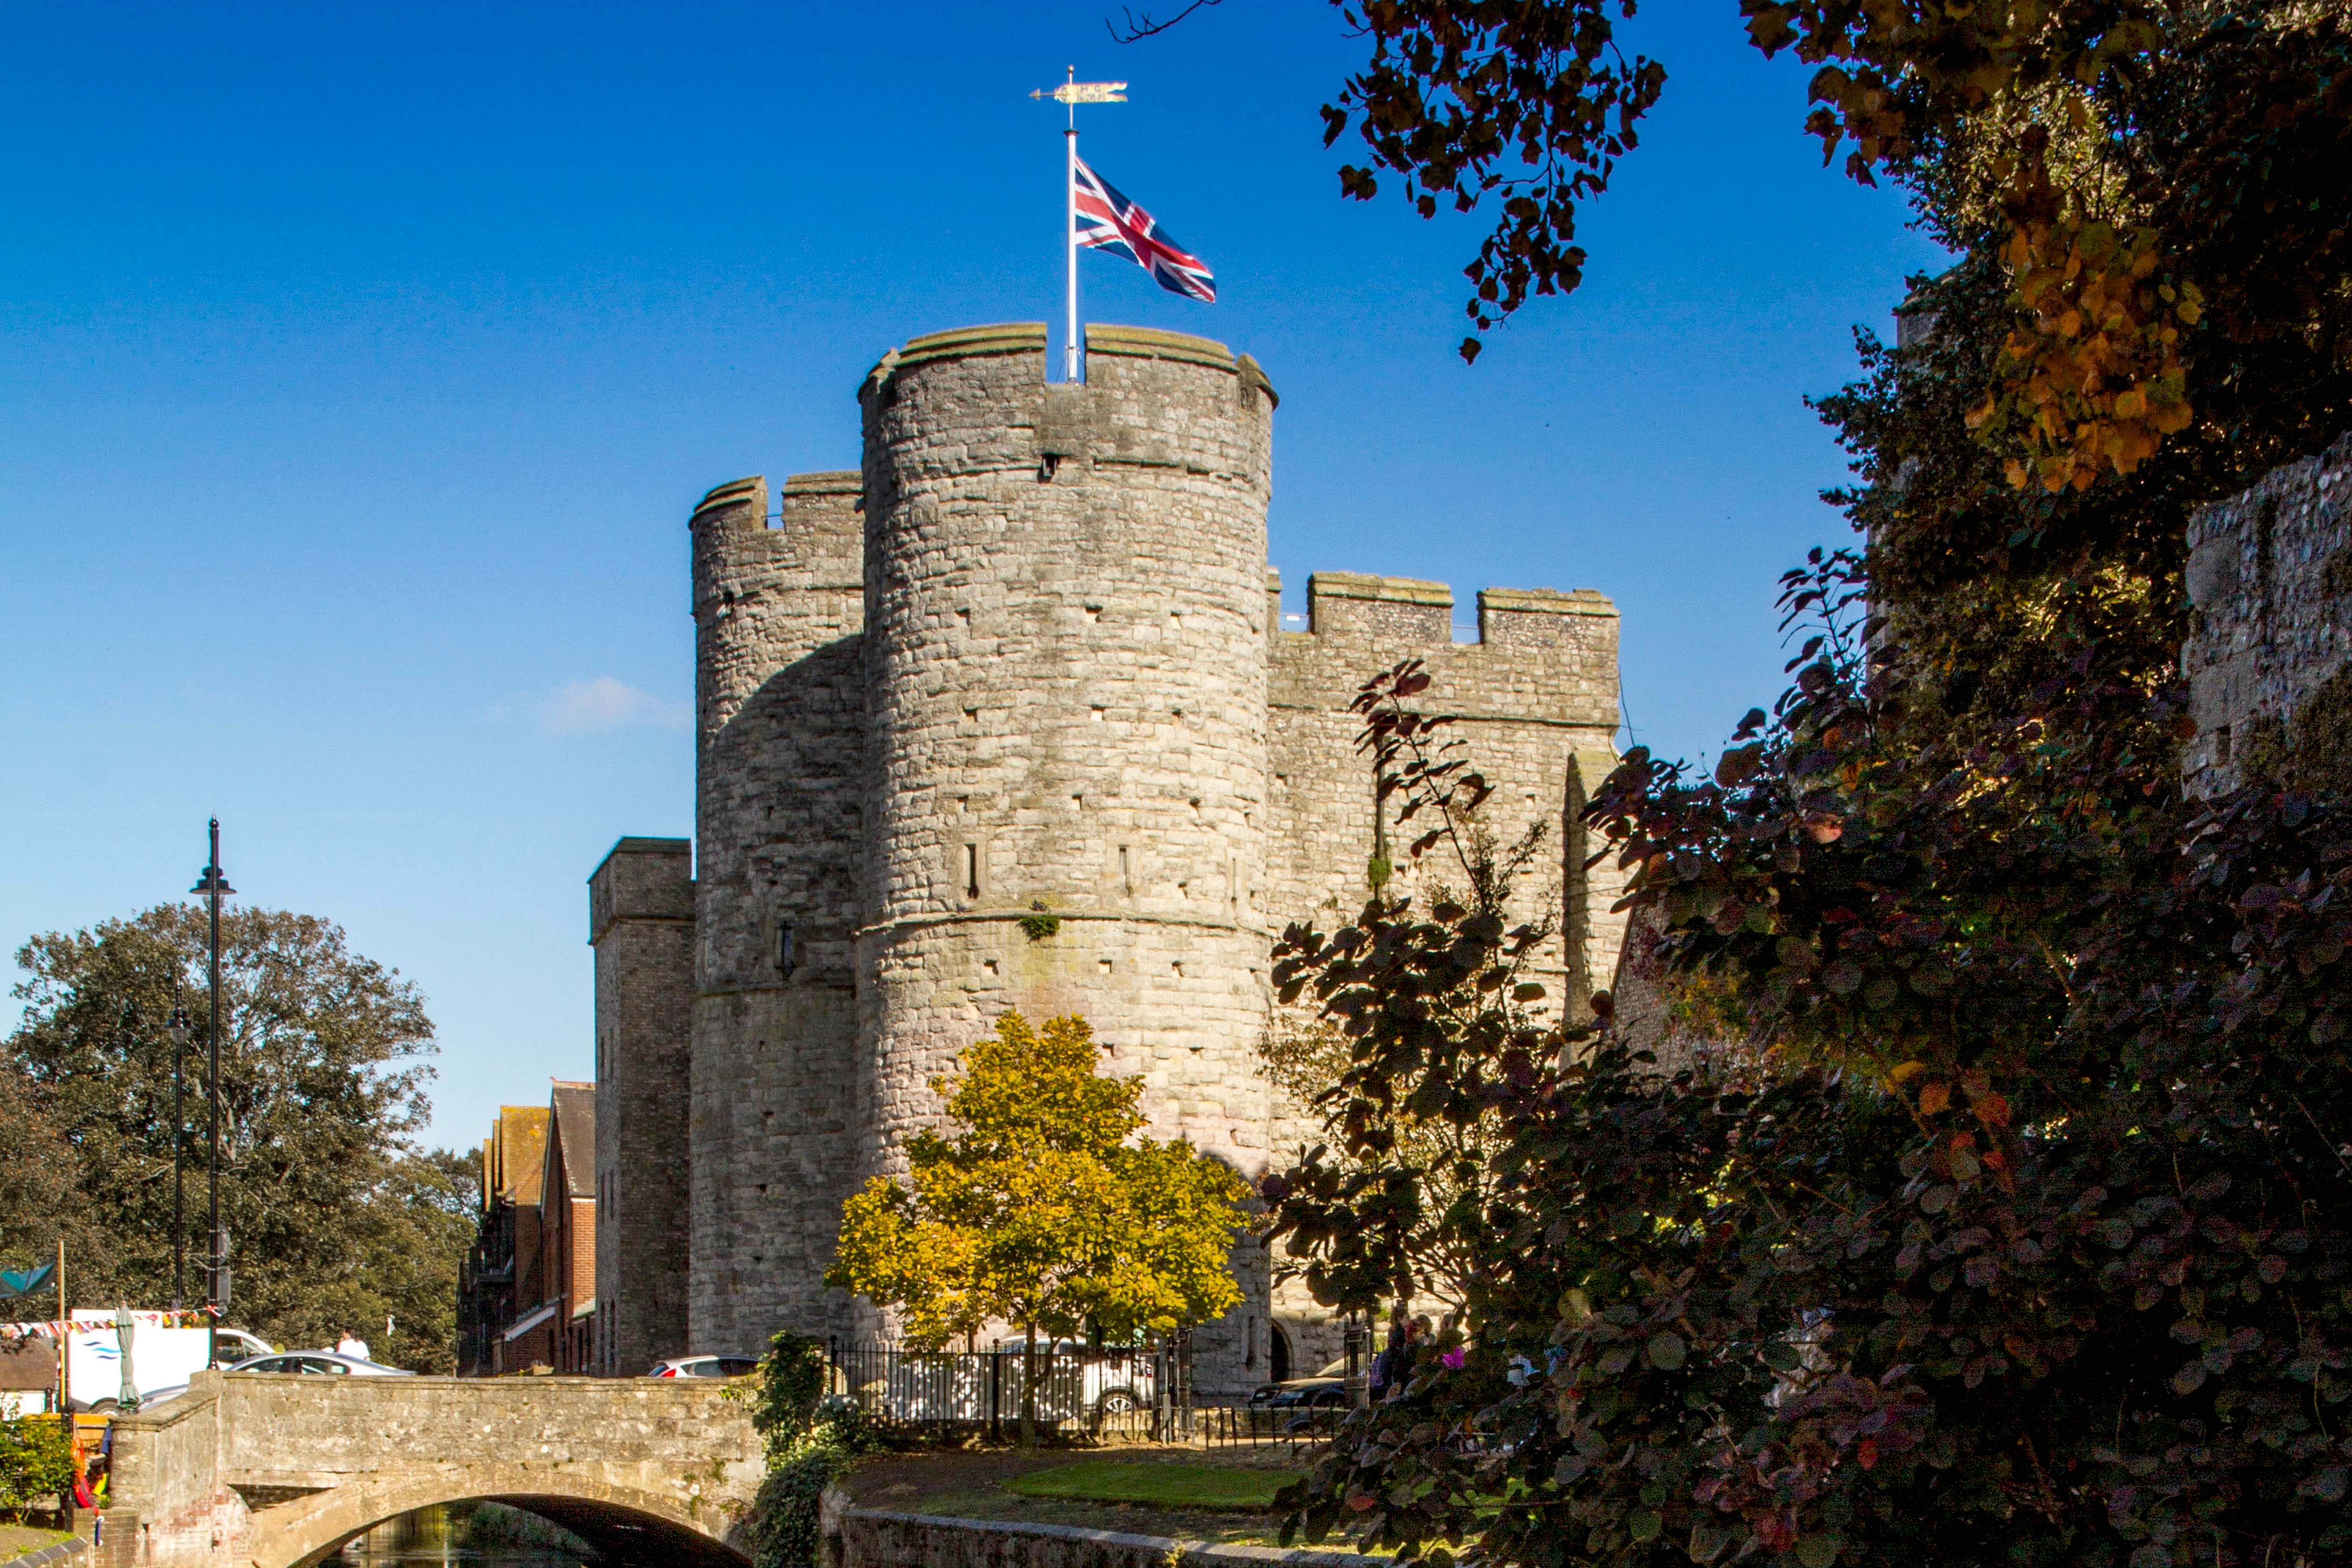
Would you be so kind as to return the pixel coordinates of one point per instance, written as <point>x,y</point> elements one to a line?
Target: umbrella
<point>128,1399</point>
<point>23,1281</point>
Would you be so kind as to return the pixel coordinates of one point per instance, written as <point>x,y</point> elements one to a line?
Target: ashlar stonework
<point>1031,659</point>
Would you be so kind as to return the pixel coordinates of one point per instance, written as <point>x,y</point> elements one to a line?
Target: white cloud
<point>605,703</point>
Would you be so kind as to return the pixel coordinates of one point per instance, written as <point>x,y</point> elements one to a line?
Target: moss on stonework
<point>2314,752</point>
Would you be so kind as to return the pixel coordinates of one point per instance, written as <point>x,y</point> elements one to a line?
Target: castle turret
<point>1066,665</point>
<point>780,709</point>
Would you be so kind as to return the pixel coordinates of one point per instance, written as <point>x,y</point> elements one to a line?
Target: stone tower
<point>1011,720</point>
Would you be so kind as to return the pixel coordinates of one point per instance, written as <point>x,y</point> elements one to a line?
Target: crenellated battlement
<point>1031,658</point>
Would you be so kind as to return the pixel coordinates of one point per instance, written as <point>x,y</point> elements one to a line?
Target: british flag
<point>1108,221</point>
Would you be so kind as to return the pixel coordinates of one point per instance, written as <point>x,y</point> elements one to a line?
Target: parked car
<point>706,1366</point>
<point>1327,1390</point>
<point>1086,1382</point>
<point>320,1362</point>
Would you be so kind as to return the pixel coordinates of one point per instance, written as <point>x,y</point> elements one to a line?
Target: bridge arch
<point>628,1527</point>
<point>257,1470</point>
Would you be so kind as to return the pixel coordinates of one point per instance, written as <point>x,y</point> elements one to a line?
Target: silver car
<point>319,1363</point>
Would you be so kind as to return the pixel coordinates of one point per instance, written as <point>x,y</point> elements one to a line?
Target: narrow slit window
<point>972,870</point>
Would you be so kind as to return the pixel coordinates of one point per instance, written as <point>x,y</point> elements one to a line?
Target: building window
<point>972,870</point>
<point>786,959</point>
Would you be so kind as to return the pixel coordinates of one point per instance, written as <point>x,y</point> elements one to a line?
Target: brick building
<point>527,1297</point>
<point>500,1279</point>
<point>567,1269</point>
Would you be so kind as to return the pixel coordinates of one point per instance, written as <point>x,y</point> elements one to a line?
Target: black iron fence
<point>1103,1391</point>
<point>1260,1426</point>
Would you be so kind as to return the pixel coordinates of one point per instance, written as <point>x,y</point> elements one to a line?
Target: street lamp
<point>214,887</point>
<point>179,1031</point>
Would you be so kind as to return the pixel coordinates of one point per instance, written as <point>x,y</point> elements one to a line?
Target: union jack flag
<point>1108,221</point>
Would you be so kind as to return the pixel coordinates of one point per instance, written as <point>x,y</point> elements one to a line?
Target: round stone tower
<point>1065,761</point>
<point>779,708</point>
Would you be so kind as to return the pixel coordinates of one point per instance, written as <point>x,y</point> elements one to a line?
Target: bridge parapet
<point>274,1471</point>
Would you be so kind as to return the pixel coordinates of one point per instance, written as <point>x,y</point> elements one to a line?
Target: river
<point>474,1535</point>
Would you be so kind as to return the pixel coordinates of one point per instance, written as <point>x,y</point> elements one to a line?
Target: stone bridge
<point>265,1470</point>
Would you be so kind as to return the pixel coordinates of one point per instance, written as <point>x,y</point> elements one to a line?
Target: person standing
<point>351,1344</point>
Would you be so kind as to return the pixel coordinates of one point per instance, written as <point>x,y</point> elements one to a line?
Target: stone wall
<point>641,924</point>
<point>870,1537</point>
<point>2269,577</point>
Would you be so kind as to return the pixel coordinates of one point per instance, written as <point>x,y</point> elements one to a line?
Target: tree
<point>335,1221</point>
<point>2019,1240</point>
<point>37,1198</point>
<point>1039,1210</point>
<point>1409,1177</point>
<point>2016,1235</point>
<point>2156,183</point>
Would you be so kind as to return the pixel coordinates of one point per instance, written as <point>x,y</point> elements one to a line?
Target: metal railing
<point>1137,1394</point>
<point>1293,1426</point>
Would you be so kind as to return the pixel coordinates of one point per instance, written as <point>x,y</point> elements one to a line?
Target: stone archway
<point>629,1528</point>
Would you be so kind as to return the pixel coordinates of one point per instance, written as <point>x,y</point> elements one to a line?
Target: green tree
<point>38,1202</point>
<point>35,1466</point>
<point>2012,1231</point>
<point>336,1221</point>
<point>1038,1211</point>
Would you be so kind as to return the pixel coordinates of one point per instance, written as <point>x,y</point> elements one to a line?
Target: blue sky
<point>359,365</point>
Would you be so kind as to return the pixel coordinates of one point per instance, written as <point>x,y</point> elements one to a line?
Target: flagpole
<point>1070,94</point>
<point>1071,363</point>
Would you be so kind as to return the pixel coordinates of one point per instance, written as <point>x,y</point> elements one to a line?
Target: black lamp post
<point>179,1143</point>
<point>214,887</point>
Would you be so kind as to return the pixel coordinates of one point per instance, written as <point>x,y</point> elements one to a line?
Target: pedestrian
<point>1388,1366</point>
<point>351,1344</point>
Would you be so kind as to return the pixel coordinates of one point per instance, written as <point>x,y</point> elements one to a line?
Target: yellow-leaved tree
<point>1039,1207</point>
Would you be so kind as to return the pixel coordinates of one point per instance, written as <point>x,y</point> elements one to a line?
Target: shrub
<point>811,1439</point>
<point>34,1466</point>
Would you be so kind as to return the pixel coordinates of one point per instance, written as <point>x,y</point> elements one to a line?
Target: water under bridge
<point>264,1470</point>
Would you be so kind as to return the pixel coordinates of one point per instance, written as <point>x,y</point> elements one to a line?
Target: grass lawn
<point>17,1539</point>
<point>1160,1485</point>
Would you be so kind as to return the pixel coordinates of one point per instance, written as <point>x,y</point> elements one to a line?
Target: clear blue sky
<point>359,365</point>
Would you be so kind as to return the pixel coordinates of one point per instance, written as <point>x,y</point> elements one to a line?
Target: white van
<point>160,1357</point>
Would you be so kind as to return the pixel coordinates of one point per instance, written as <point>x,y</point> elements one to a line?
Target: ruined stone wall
<point>2269,577</point>
<point>780,709</point>
<point>1067,674</point>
